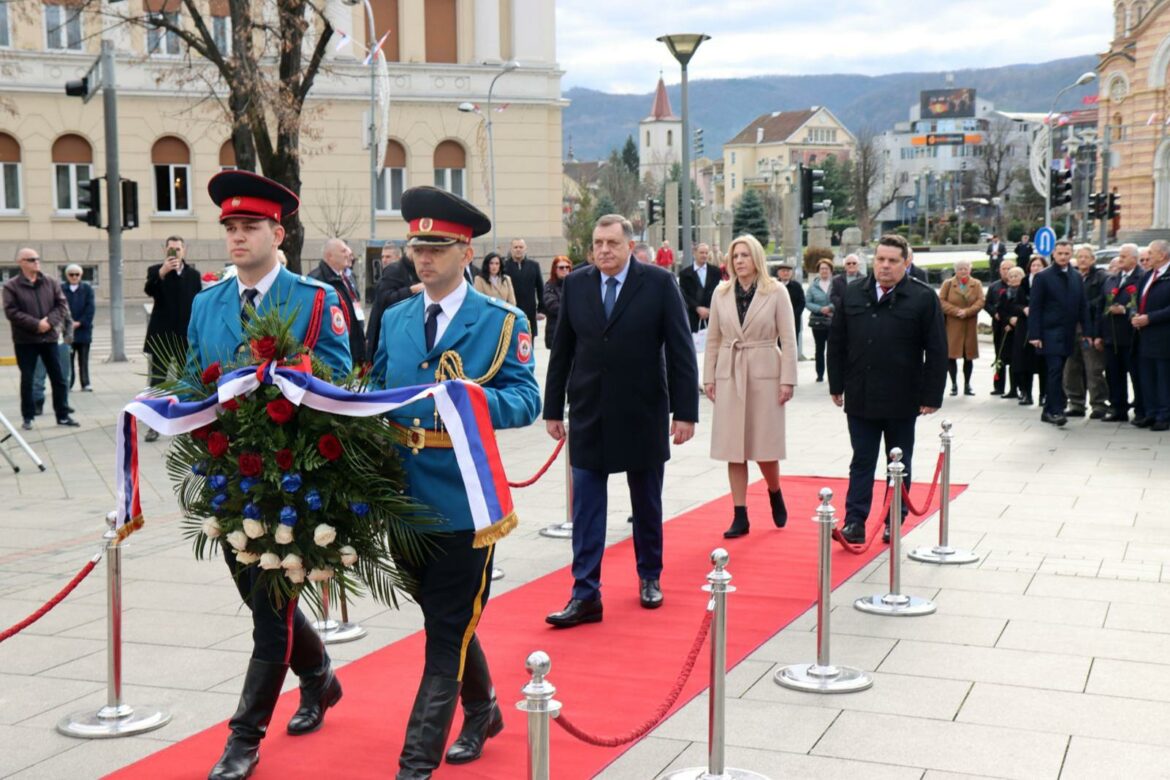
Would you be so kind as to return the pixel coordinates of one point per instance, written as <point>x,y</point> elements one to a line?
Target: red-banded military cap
<point>437,217</point>
<point>251,196</point>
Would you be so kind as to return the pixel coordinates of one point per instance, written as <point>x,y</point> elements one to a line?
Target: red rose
<point>210,277</point>
<point>265,347</point>
<point>329,447</point>
<point>250,464</point>
<point>201,434</point>
<point>1115,292</point>
<point>284,459</point>
<point>281,410</point>
<point>231,404</point>
<point>1131,289</point>
<point>212,373</point>
<point>217,443</point>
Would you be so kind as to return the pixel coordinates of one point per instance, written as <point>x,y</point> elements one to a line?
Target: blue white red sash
<point>461,405</point>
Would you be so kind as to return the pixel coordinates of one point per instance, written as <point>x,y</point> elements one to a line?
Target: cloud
<point>610,44</point>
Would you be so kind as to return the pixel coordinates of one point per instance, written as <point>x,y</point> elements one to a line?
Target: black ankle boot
<point>967,389</point>
<point>739,524</point>
<point>779,511</point>
<point>482,718</point>
<point>320,688</point>
<point>428,727</point>
<point>954,389</point>
<point>257,701</point>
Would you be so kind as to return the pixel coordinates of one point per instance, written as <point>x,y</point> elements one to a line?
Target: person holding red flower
<point>1117,336</point>
<point>282,637</point>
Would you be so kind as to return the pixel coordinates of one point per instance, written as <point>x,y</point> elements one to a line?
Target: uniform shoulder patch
<point>524,347</point>
<point>337,320</point>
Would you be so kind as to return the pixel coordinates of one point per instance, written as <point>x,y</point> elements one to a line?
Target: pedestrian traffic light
<point>698,142</point>
<point>653,211</point>
<point>1060,185</point>
<point>77,87</point>
<point>129,204</point>
<point>1096,205</point>
<point>1114,208</point>
<point>89,201</point>
<point>811,186</point>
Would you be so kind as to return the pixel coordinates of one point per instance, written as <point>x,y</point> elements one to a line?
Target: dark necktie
<point>885,290</point>
<point>431,325</point>
<point>1146,294</point>
<point>249,307</point>
<point>611,285</point>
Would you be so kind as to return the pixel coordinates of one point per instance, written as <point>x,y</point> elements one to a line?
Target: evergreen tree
<point>749,217</point>
<point>630,155</point>
<point>604,205</point>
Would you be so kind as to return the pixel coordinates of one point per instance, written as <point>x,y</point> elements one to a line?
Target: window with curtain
<point>9,172</point>
<point>72,168</point>
<point>392,180</point>
<point>62,27</point>
<point>221,33</point>
<point>160,40</point>
<point>227,156</point>
<point>450,167</point>
<point>5,34</point>
<point>171,160</point>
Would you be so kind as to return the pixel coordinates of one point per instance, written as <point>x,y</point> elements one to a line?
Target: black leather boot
<point>779,511</point>
<point>739,524</point>
<point>257,701</point>
<point>482,718</point>
<point>428,727</point>
<point>320,688</point>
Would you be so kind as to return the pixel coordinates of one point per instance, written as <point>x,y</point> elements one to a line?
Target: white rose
<point>254,529</point>
<point>324,535</point>
<point>284,534</point>
<point>211,528</point>
<point>295,576</point>
<point>348,555</point>
<point>245,557</point>
<point>320,575</point>
<point>269,561</point>
<point>292,562</point>
<point>237,540</point>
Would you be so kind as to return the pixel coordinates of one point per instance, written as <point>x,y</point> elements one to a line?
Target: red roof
<point>661,109</point>
<point>778,127</point>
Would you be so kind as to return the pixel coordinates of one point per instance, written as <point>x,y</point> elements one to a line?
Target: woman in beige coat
<point>493,282</point>
<point>962,300</point>
<point>748,378</point>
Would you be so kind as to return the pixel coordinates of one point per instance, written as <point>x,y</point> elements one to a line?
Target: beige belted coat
<point>747,369</point>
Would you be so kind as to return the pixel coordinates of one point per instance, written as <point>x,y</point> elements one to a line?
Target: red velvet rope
<point>40,613</point>
<point>929,496</point>
<point>556,451</point>
<point>692,656</point>
<point>871,527</point>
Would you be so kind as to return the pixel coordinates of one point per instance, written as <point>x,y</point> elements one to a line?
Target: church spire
<point>661,109</point>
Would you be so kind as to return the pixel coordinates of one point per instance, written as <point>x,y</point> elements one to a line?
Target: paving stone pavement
<point>1048,658</point>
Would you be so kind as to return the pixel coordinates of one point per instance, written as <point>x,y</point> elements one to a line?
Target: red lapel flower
<point>281,410</point>
<point>329,447</point>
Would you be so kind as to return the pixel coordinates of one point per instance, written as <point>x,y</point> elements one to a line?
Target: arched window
<point>450,165</point>
<point>5,35</point>
<point>670,138</point>
<point>72,167</point>
<point>439,24</point>
<point>392,179</point>
<point>227,156</point>
<point>172,175</point>
<point>647,138</point>
<point>9,173</point>
<point>63,24</point>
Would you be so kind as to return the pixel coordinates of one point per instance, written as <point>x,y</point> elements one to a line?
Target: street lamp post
<point>683,47</point>
<point>508,67</point>
<point>926,202</point>
<point>1084,79</point>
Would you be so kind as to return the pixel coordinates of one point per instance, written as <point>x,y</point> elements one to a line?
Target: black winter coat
<point>394,286</point>
<point>528,284</point>
<point>173,295</point>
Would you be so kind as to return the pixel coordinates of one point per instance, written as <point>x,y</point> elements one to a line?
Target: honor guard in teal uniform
<point>450,331</point>
<point>251,208</point>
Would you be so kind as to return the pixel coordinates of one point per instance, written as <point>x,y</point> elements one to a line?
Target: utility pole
<point>1104,234</point>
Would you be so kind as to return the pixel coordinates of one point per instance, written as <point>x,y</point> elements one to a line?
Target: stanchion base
<point>325,626</point>
<point>944,555</point>
<point>108,722</point>
<point>558,531</point>
<point>895,604</point>
<point>701,773</point>
<point>814,678</point>
<point>343,632</point>
<point>497,573</point>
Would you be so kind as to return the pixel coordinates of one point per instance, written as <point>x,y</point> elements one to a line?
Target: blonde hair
<point>1015,272</point>
<point>764,280</point>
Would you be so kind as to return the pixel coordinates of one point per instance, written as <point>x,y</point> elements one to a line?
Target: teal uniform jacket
<point>217,333</point>
<point>513,395</point>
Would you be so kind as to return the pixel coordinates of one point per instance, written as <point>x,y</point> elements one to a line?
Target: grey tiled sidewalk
<point>1048,658</point>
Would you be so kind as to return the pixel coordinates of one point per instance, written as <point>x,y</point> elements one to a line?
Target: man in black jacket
<point>1116,334</point>
<point>696,283</point>
<point>1024,252</point>
<point>852,273</point>
<point>331,271</point>
<point>1057,309</point>
<point>1086,364</point>
<point>173,284</point>
<point>796,295</point>
<point>527,283</point>
<point>884,389</point>
<point>399,281</point>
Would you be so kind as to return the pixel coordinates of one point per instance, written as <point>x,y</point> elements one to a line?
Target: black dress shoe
<point>1114,417</point>
<point>27,425</point>
<point>854,533</point>
<point>1074,412</point>
<point>954,390</point>
<point>1098,414</point>
<point>1161,425</point>
<point>69,422</point>
<point>39,407</point>
<point>650,594</point>
<point>576,612</point>
<point>886,535</point>
<point>1026,401</point>
<point>1014,396</point>
<point>1055,419</point>
<point>1142,422</point>
<point>968,391</point>
<point>996,392</point>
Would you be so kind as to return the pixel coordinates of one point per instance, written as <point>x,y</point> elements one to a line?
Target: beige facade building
<point>173,134</point>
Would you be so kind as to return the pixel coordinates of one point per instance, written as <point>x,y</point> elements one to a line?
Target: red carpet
<point>610,676</point>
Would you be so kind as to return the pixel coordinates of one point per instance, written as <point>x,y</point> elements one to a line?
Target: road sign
<point>1044,241</point>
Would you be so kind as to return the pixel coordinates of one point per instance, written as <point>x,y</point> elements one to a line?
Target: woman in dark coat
<point>561,266</point>
<point>1024,363</point>
<point>81,309</point>
<point>1009,308</point>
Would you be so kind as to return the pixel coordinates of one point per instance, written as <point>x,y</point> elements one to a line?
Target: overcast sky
<point>609,44</point>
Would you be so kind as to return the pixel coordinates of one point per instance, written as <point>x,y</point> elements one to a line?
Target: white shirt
<point>261,287</point>
<point>701,272</point>
<point>621,281</point>
<point>450,306</point>
<point>1157,274</point>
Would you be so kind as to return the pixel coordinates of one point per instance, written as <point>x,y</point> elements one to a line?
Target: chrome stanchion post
<point>943,552</point>
<point>718,585</point>
<point>823,677</point>
<point>332,632</point>
<point>541,706</point>
<point>895,602</point>
<point>116,719</point>
<point>564,530</point>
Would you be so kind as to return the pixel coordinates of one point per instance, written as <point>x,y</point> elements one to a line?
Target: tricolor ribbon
<point>462,407</point>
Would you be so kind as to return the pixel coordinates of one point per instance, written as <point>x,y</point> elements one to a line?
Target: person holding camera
<point>173,285</point>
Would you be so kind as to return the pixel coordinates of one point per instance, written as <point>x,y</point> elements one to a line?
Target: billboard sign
<point>947,103</point>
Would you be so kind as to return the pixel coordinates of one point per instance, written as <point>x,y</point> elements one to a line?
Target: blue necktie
<point>611,285</point>
<point>249,307</point>
<point>431,325</point>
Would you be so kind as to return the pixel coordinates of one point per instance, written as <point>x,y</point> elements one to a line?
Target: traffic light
<point>1114,208</point>
<point>89,199</point>
<point>77,87</point>
<point>698,142</point>
<point>1060,185</point>
<point>811,186</point>
<point>1096,205</point>
<point>653,211</point>
<point>129,204</point>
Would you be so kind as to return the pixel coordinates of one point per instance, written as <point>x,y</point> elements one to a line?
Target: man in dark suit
<point>1057,305</point>
<point>173,284</point>
<point>1024,252</point>
<point>995,252</point>
<point>696,284</point>
<point>399,281</point>
<point>995,292</point>
<point>1117,336</point>
<point>1153,325</point>
<point>884,390</point>
<point>331,271</point>
<point>623,354</point>
<point>527,283</point>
